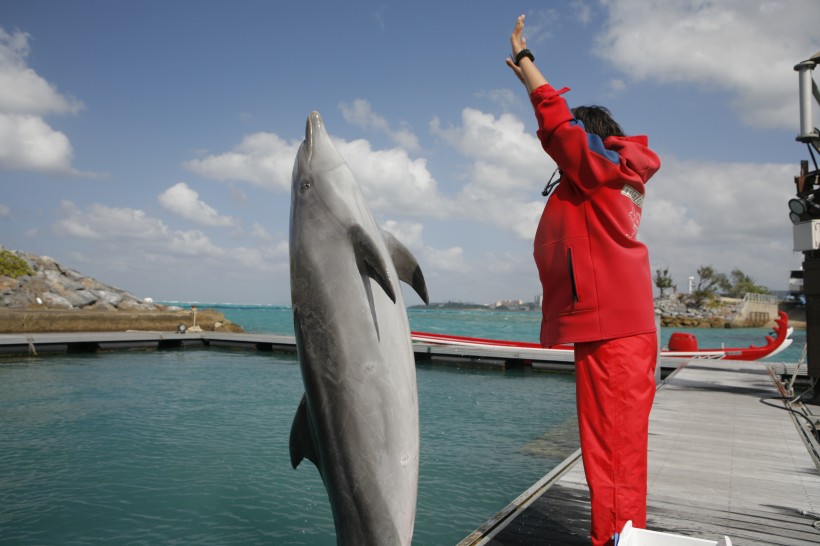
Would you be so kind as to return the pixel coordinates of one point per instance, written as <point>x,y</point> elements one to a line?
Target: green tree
<point>742,284</point>
<point>710,283</point>
<point>663,280</point>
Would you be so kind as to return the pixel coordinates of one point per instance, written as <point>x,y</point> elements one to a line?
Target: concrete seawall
<point>14,321</point>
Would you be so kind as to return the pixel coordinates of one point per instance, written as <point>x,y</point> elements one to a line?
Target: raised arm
<point>526,70</point>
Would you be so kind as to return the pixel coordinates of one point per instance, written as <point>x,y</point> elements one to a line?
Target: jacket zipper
<point>571,269</point>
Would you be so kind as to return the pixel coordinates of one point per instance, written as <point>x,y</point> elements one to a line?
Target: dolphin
<point>358,419</point>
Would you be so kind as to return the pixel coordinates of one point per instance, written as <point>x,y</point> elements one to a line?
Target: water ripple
<point>191,447</point>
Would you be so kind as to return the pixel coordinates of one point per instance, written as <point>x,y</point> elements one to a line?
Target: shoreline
<point>16,321</point>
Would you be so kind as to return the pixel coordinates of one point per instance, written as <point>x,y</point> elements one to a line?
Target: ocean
<point>191,446</point>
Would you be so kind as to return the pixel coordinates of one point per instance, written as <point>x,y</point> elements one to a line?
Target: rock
<point>100,305</point>
<point>80,298</point>
<point>7,283</point>
<point>59,299</point>
<point>65,286</point>
<point>134,305</point>
<point>55,278</point>
<point>111,298</point>
<point>55,301</point>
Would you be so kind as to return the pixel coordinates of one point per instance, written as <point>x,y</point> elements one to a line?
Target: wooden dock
<point>726,458</point>
<point>454,355</point>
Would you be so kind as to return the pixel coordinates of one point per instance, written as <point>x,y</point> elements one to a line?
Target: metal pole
<point>807,130</point>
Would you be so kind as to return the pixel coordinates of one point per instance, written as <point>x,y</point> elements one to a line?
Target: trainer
<point>597,288</point>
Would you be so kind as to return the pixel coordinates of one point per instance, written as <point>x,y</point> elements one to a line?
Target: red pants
<point>615,387</point>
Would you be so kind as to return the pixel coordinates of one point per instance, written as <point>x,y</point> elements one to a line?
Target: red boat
<point>681,345</point>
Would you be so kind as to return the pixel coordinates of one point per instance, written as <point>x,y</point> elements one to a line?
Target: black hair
<point>597,120</point>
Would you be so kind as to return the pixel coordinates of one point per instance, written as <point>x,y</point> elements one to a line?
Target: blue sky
<point>150,144</point>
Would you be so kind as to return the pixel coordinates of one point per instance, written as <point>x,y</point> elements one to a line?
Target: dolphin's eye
<point>305,185</point>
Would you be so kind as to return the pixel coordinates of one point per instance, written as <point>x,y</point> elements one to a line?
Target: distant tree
<point>742,284</point>
<point>710,283</point>
<point>663,280</point>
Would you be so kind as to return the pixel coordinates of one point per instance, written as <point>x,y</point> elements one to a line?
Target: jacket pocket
<point>567,277</point>
<point>573,284</point>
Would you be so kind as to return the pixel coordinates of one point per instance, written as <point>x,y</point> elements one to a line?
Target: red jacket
<point>595,274</point>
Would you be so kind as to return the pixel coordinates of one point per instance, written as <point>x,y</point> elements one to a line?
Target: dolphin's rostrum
<point>358,420</point>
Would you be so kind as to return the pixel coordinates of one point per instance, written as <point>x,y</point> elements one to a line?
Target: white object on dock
<point>634,536</point>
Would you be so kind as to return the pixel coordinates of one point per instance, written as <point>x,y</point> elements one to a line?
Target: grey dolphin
<point>358,420</point>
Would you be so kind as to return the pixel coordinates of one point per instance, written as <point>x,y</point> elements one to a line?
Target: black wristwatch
<point>523,53</point>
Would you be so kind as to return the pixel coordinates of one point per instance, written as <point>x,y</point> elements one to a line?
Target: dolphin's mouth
<point>319,152</point>
<point>314,122</point>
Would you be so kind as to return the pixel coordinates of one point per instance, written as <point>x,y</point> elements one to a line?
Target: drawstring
<point>550,187</point>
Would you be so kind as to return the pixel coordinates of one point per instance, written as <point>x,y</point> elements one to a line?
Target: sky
<point>150,144</point>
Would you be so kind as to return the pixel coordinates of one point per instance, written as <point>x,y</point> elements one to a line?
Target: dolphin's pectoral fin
<point>407,267</point>
<point>301,441</point>
<point>370,260</point>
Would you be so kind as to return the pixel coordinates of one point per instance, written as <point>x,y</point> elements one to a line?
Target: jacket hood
<point>635,151</point>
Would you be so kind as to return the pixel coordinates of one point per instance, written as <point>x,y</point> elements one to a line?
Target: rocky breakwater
<point>37,294</point>
<point>676,314</point>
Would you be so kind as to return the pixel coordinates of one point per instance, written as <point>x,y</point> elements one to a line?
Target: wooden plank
<point>725,458</point>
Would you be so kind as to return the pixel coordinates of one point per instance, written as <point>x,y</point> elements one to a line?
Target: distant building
<point>539,300</point>
<point>509,304</point>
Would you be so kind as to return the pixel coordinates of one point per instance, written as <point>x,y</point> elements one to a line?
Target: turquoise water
<point>510,325</point>
<point>191,446</point>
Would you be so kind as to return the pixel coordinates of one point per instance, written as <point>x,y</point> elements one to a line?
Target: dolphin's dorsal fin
<point>370,260</point>
<point>301,441</point>
<point>407,267</point>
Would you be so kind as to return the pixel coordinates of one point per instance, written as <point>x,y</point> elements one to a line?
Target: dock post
<point>811,289</point>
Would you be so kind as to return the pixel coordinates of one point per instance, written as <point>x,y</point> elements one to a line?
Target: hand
<point>527,73</point>
<point>518,42</point>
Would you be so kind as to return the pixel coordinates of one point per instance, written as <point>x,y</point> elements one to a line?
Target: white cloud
<point>507,99</point>
<point>185,202</point>
<point>101,222</point>
<point>22,90</point>
<point>258,231</point>
<point>262,159</point>
<point>393,182</point>
<point>439,259</point>
<point>360,113</point>
<point>131,237</point>
<point>502,140</point>
<point>726,215</point>
<point>27,142</point>
<point>539,25</point>
<point>508,171</point>
<point>390,179</point>
<point>746,48</point>
<point>5,211</point>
